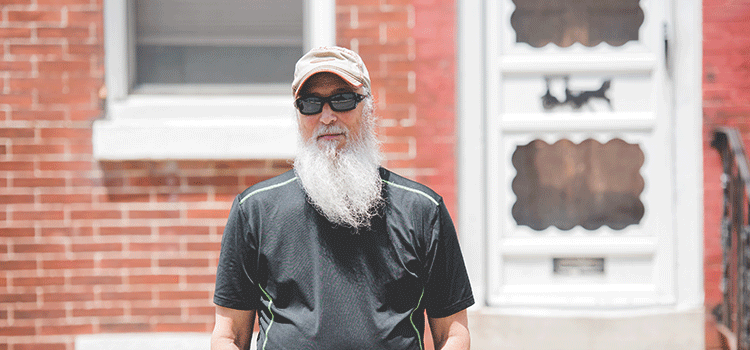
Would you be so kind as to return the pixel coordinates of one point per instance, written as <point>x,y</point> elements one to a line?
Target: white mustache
<point>330,129</point>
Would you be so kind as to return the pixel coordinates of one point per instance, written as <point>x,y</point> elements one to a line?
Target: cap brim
<point>329,69</point>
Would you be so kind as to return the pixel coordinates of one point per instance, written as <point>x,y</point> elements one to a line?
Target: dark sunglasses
<point>343,102</point>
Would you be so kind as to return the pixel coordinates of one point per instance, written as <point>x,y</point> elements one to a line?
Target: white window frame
<point>195,126</point>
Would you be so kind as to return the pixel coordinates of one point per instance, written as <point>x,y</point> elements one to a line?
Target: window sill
<point>196,127</point>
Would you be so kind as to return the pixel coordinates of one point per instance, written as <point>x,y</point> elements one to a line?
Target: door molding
<point>474,56</point>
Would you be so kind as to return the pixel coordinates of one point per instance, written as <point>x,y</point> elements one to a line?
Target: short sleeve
<point>448,289</point>
<point>235,275</point>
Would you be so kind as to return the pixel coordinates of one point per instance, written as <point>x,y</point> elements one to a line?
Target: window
<point>564,22</point>
<point>205,79</point>
<point>588,184</point>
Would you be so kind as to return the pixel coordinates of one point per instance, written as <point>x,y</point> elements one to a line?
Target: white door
<point>580,154</point>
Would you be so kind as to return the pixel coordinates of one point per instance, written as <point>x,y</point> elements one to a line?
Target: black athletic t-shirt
<point>317,285</point>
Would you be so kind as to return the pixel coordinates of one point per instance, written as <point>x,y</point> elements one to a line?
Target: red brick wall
<point>409,49</point>
<point>88,246</point>
<point>726,102</point>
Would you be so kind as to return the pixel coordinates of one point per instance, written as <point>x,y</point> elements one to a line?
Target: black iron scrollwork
<point>576,99</point>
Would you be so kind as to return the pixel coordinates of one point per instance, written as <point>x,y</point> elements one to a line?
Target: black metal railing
<point>733,314</point>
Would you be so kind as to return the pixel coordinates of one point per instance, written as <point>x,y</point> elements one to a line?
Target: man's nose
<point>327,116</point>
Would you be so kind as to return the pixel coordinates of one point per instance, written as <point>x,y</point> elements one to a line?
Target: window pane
<point>588,184</point>
<point>215,65</point>
<point>218,41</point>
<point>564,22</point>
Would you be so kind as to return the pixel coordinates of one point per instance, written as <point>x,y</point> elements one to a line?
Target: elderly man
<point>339,253</point>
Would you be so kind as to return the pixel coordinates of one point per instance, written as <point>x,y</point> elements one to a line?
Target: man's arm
<point>233,329</point>
<point>452,332</point>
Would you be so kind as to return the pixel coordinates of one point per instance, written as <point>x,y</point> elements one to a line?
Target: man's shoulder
<point>404,187</point>
<point>272,188</point>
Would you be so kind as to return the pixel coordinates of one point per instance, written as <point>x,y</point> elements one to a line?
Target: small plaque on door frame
<point>581,266</point>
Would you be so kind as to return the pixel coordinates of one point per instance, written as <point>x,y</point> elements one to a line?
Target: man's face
<point>329,126</point>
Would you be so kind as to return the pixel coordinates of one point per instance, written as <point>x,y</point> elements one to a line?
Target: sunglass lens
<point>343,106</point>
<point>343,102</point>
<point>309,106</point>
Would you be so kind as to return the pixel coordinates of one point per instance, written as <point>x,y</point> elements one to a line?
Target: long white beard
<point>344,185</point>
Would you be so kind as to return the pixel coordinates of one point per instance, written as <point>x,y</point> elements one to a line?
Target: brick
<point>204,246</point>
<point>34,16</point>
<point>154,279</point>
<point>68,329</point>
<point>39,215</point>
<point>17,298</point>
<point>16,166</point>
<point>156,311</point>
<point>184,230</point>
<point>84,17</point>
<point>66,133</point>
<point>182,197</point>
<point>96,247</point>
<point>96,280</point>
<point>54,68</point>
<point>122,296</point>
<point>17,232</point>
<point>125,231</point>
<point>38,314</point>
<point>37,115</point>
<point>71,98</point>
<point>85,49</point>
<point>95,214</point>
<point>24,100</point>
<point>102,312</point>
<point>154,181</point>
<point>68,2</point>
<point>70,32</point>
<point>17,331</point>
<point>67,264</point>
<point>154,247</point>
<point>200,279</point>
<point>208,214</point>
<point>17,132</point>
<point>85,114</point>
<point>127,197</point>
<point>38,149</point>
<point>67,231</point>
<point>81,149</point>
<point>183,295</point>
<point>38,281</point>
<point>7,33</point>
<point>154,214</point>
<point>125,263</point>
<point>67,297</point>
<point>213,181</point>
<point>66,198</point>
<point>39,182</point>
<point>40,346</point>
<point>16,198</point>
<point>35,49</point>
<point>39,248</point>
<point>125,327</point>
<point>15,66</point>
<point>183,263</point>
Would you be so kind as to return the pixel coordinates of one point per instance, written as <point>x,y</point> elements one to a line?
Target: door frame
<point>473,109</point>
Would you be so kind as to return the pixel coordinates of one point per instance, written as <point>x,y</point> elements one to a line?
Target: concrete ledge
<point>144,341</point>
<point>673,330</point>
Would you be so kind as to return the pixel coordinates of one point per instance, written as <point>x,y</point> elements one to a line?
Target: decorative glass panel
<point>588,184</point>
<point>564,22</point>
<point>217,41</point>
